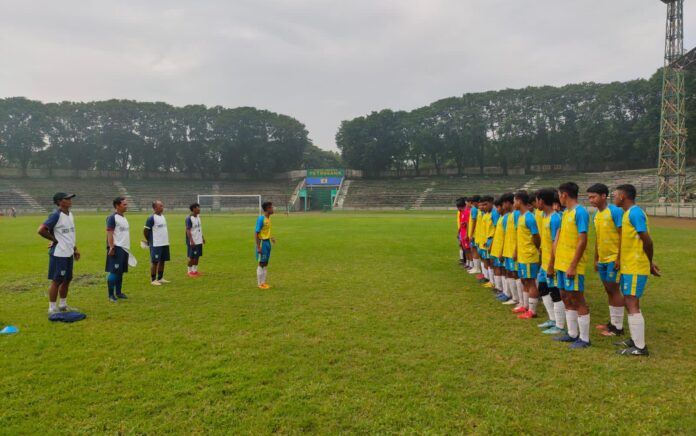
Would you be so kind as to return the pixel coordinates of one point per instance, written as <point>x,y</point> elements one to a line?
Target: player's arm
<point>552,259</point>
<point>579,250</point>
<point>596,253</point>
<point>110,241</point>
<point>648,249</point>
<point>537,240</point>
<point>617,264</point>
<point>46,233</point>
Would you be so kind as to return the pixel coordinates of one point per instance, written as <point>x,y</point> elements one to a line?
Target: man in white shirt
<point>59,228</point>
<point>117,248</point>
<point>157,238</point>
<point>194,239</point>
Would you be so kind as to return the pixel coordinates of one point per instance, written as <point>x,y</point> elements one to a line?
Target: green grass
<point>370,327</point>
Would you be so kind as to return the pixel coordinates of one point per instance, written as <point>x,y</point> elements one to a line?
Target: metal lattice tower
<point>671,165</point>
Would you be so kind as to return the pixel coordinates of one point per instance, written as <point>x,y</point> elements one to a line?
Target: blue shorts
<point>510,264</point>
<point>542,276</point>
<point>633,285</point>
<point>607,272</point>
<point>265,256</point>
<point>118,263</point>
<point>194,252</point>
<point>528,270</point>
<point>496,262</point>
<point>60,268</point>
<point>159,254</point>
<point>570,285</point>
<point>484,254</point>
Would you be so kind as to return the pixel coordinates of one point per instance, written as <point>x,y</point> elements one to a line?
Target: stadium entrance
<point>320,189</point>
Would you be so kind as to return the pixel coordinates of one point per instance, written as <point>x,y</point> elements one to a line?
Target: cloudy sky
<point>321,61</point>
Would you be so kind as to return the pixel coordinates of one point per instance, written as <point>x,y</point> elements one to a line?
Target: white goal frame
<point>199,196</point>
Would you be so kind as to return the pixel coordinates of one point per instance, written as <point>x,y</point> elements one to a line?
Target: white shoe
<point>156,283</point>
<point>510,302</point>
<point>163,280</point>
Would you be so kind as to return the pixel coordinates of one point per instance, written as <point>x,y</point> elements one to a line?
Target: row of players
<point>59,229</point>
<point>530,246</point>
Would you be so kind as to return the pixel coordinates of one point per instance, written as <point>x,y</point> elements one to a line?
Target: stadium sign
<point>330,172</point>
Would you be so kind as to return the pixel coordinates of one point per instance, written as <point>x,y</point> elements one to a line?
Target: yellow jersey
<point>472,217</point>
<point>527,252</point>
<point>573,222</point>
<point>498,236</point>
<point>634,261</point>
<point>263,227</point>
<point>549,230</point>
<point>510,226</point>
<point>607,223</point>
<point>480,231</point>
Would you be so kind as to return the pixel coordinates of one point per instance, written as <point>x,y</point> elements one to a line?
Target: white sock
<point>265,272</point>
<point>616,314</point>
<point>504,283</point>
<point>533,304</point>
<point>259,275</point>
<point>63,302</point>
<point>461,254</point>
<point>513,289</point>
<point>52,305</point>
<point>636,323</point>
<point>469,263</point>
<point>195,268</point>
<point>190,269</point>
<point>520,288</point>
<point>498,282</point>
<point>548,305</point>
<point>484,271</point>
<point>525,299</point>
<point>572,320</point>
<point>559,310</point>
<point>584,324</point>
<point>491,274</point>
<point>516,290</point>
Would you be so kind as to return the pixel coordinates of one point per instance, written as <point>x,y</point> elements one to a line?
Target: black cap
<point>61,196</point>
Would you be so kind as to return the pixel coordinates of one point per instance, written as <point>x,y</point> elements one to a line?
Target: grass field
<point>371,327</point>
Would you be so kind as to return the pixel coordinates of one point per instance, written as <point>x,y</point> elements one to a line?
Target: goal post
<point>230,202</point>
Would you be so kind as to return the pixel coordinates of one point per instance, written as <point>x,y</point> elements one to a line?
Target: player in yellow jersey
<point>484,235</point>
<point>550,295</point>
<point>607,223</point>
<point>262,236</point>
<point>496,252</point>
<point>527,255</point>
<point>636,265</point>
<point>570,259</point>
<point>471,229</point>
<point>510,220</point>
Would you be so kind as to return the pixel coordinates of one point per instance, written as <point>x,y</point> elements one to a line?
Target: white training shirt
<point>159,236</point>
<point>119,225</point>
<point>63,228</point>
<point>194,225</point>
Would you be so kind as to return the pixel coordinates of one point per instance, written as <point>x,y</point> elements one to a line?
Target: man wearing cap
<point>59,228</point>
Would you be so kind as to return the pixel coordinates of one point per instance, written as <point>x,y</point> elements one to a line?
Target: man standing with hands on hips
<point>59,228</point>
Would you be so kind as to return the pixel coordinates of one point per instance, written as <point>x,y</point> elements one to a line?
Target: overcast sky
<point>321,61</point>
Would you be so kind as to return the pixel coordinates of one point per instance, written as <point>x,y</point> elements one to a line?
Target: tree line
<point>124,135</point>
<point>590,125</point>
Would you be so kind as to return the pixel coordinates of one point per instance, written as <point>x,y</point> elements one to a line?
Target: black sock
<point>555,294</point>
<point>160,275</point>
<point>153,276</point>
<point>543,289</point>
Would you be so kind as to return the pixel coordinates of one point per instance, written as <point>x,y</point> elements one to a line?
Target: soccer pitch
<point>370,327</point>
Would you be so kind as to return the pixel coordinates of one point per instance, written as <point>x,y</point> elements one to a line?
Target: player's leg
<point>53,296</point>
<point>571,313</point>
<point>545,295</point>
<point>583,311</point>
<point>153,272</point>
<point>632,287</point>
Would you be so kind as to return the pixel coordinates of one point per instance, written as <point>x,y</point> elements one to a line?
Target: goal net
<point>229,202</point>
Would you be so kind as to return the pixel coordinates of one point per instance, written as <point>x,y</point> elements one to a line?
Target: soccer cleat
<point>510,302</point>
<point>122,296</point>
<point>488,285</point>
<point>502,297</point>
<point>565,338</point>
<point>163,280</point>
<point>634,351</point>
<point>628,343</point>
<point>527,315</point>
<point>67,308</point>
<point>155,283</point>
<point>472,271</point>
<point>191,274</point>
<point>198,273</point>
<point>606,326</point>
<point>113,299</point>
<point>52,311</point>
<point>546,324</point>
<point>520,309</point>
<point>553,331</point>
<point>579,343</point>
<point>264,286</point>
<point>480,276</point>
<point>613,331</point>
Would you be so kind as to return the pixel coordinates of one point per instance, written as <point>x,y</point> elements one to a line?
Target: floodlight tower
<point>671,165</point>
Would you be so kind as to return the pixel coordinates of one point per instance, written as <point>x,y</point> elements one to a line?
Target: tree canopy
<point>589,125</point>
